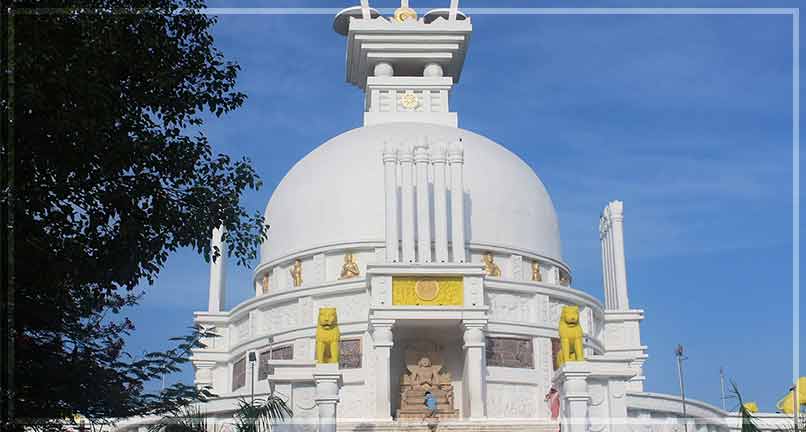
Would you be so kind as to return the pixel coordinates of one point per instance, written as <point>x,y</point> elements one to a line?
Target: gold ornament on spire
<point>405,13</point>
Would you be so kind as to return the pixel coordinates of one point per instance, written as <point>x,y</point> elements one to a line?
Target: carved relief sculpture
<point>536,276</point>
<point>264,283</point>
<point>350,268</point>
<point>424,375</point>
<point>296,273</point>
<point>570,336</point>
<point>565,278</point>
<point>490,267</point>
<point>327,336</point>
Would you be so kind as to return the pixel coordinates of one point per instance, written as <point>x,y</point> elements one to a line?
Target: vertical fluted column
<point>475,381</point>
<point>440,204</point>
<point>605,283</point>
<point>390,187</point>
<point>407,204</point>
<point>423,205</point>
<point>383,340</point>
<point>619,262</point>
<point>611,259</point>
<point>218,272</point>
<point>456,160</point>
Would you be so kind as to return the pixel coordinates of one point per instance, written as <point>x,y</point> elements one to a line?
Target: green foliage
<point>112,173</point>
<point>189,418</point>
<point>749,421</point>
<point>260,415</point>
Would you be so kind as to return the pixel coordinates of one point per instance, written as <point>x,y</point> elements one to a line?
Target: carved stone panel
<point>349,308</point>
<point>511,307</point>
<point>350,354</point>
<point>280,318</point>
<point>510,352</point>
<point>278,353</point>
<point>239,374</point>
<point>511,400</point>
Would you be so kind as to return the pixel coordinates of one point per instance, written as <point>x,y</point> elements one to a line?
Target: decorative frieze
<point>510,352</point>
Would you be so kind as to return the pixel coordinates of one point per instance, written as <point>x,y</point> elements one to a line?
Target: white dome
<point>335,195</point>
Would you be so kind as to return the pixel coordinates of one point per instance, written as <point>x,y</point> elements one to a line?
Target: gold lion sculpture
<point>327,336</point>
<point>787,404</point>
<point>570,336</point>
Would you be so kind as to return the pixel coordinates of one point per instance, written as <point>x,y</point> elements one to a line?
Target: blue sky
<point>687,119</point>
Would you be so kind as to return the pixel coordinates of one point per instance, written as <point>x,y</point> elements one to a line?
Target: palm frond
<point>260,415</point>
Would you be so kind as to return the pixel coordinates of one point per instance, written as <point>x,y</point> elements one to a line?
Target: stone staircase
<point>453,426</point>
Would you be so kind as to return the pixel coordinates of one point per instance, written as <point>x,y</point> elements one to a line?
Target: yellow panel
<point>427,291</point>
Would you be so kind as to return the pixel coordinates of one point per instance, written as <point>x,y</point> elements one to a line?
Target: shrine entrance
<point>427,356</point>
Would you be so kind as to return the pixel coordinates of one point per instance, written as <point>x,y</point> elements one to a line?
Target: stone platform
<point>452,426</point>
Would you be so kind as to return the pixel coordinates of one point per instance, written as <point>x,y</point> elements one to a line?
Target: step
<point>452,426</point>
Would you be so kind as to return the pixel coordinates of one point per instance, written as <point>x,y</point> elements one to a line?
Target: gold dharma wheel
<point>426,290</point>
<point>409,100</point>
<point>405,14</point>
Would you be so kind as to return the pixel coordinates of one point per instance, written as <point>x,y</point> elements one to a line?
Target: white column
<point>457,161</point>
<point>440,204</point>
<point>619,264</point>
<point>328,380</point>
<point>390,187</point>
<point>423,205</point>
<point>218,272</point>
<point>407,208</point>
<point>605,284</point>
<point>571,380</point>
<point>383,340</point>
<point>474,383</point>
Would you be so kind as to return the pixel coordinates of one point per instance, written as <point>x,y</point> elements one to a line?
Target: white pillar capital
<point>382,335</point>
<point>328,380</point>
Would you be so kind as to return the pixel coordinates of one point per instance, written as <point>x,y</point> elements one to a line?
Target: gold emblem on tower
<point>426,290</point>
<point>409,101</point>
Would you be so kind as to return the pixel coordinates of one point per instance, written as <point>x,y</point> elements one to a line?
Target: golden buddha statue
<point>490,267</point>
<point>264,283</point>
<point>350,268</point>
<point>296,273</point>
<point>536,276</point>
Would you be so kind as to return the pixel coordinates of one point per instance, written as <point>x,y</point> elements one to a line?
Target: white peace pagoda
<point>433,242</point>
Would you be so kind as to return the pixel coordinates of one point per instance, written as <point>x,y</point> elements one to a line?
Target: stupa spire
<point>406,65</point>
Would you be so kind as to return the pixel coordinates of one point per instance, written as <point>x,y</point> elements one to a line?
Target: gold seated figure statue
<point>421,378</point>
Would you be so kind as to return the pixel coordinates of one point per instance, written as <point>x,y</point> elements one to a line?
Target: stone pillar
<point>619,262</point>
<point>390,188</point>
<point>456,159</point>
<point>328,380</point>
<point>474,378</point>
<point>423,205</point>
<point>383,340</point>
<point>611,230</point>
<point>439,160</point>
<point>572,382</point>
<point>218,272</point>
<point>407,207</point>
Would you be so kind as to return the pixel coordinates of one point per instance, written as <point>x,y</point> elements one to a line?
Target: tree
<point>111,173</point>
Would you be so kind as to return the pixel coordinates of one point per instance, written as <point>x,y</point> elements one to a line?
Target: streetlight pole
<point>252,359</point>
<point>678,352</point>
